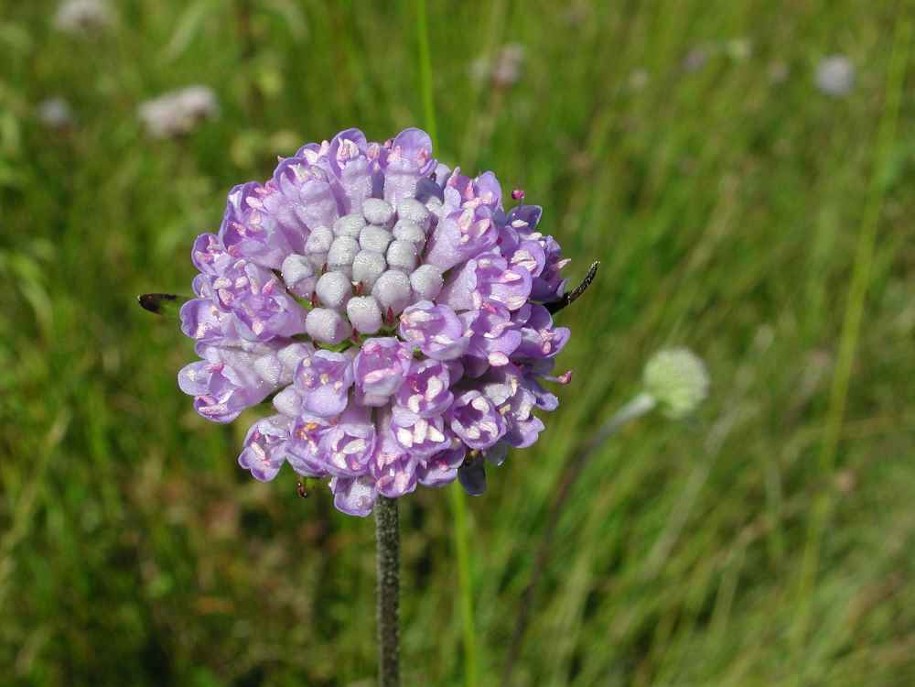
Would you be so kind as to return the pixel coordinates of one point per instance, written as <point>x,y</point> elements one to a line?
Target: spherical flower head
<point>391,309</point>
<point>677,380</point>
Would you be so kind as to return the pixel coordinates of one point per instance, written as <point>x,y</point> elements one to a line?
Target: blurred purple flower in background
<point>392,309</point>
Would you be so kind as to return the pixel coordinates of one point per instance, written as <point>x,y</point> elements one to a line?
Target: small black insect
<point>573,295</point>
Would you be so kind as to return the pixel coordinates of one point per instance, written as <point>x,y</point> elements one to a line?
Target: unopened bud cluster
<point>390,308</point>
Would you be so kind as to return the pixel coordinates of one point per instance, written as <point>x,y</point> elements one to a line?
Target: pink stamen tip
<point>518,194</point>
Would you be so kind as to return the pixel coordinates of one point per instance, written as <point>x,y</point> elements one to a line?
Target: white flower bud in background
<point>739,49</point>
<point>835,75</point>
<point>82,16</point>
<point>56,114</point>
<point>504,70</point>
<point>677,380</point>
<point>178,113</point>
<point>198,102</point>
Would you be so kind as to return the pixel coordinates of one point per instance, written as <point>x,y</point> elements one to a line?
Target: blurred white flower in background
<point>638,79</point>
<point>739,49</point>
<point>835,75</point>
<point>55,113</point>
<point>177,113</point>
<point>677,380</point>
<point>82,16</point>
<point>504,71</point>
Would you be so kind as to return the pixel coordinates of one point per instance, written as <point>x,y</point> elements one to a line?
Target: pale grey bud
<point>349,225</point>
<point>299,275</point>
<point>334,289</point>
<point>411,232</point>
<point>377,211</point>
<point>364,314</point>
<point>427,281</point>
<point>368,266</point>
<point>401,255</point>
<point>375,238</point>
<point>392,290</point>
<point>319,240</point>
<point>327,326</point>
<point>412,210</point>
<point>341,255</point>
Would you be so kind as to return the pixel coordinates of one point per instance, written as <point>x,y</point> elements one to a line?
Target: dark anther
<point>518,194</point>
<point>157,302</point>
<point>301,490</point>
<point>359,288</point>
<point>573,295</point>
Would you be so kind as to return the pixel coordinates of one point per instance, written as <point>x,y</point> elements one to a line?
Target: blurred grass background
<point>681,142</point>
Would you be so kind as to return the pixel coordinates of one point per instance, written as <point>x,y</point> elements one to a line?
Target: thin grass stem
<point>574,465</point>
<point>458,500</point>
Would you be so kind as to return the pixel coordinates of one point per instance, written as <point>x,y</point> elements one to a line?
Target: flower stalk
<point>388,591</point>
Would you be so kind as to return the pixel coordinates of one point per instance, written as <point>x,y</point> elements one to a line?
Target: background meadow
<point>736,207</point>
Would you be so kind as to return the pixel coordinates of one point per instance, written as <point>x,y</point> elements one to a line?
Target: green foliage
<point>725,204</point>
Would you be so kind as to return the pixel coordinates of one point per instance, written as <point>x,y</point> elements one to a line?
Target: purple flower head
<point>392,310</point>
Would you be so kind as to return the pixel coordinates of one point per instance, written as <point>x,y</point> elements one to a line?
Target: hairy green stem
<point>388,592</point>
